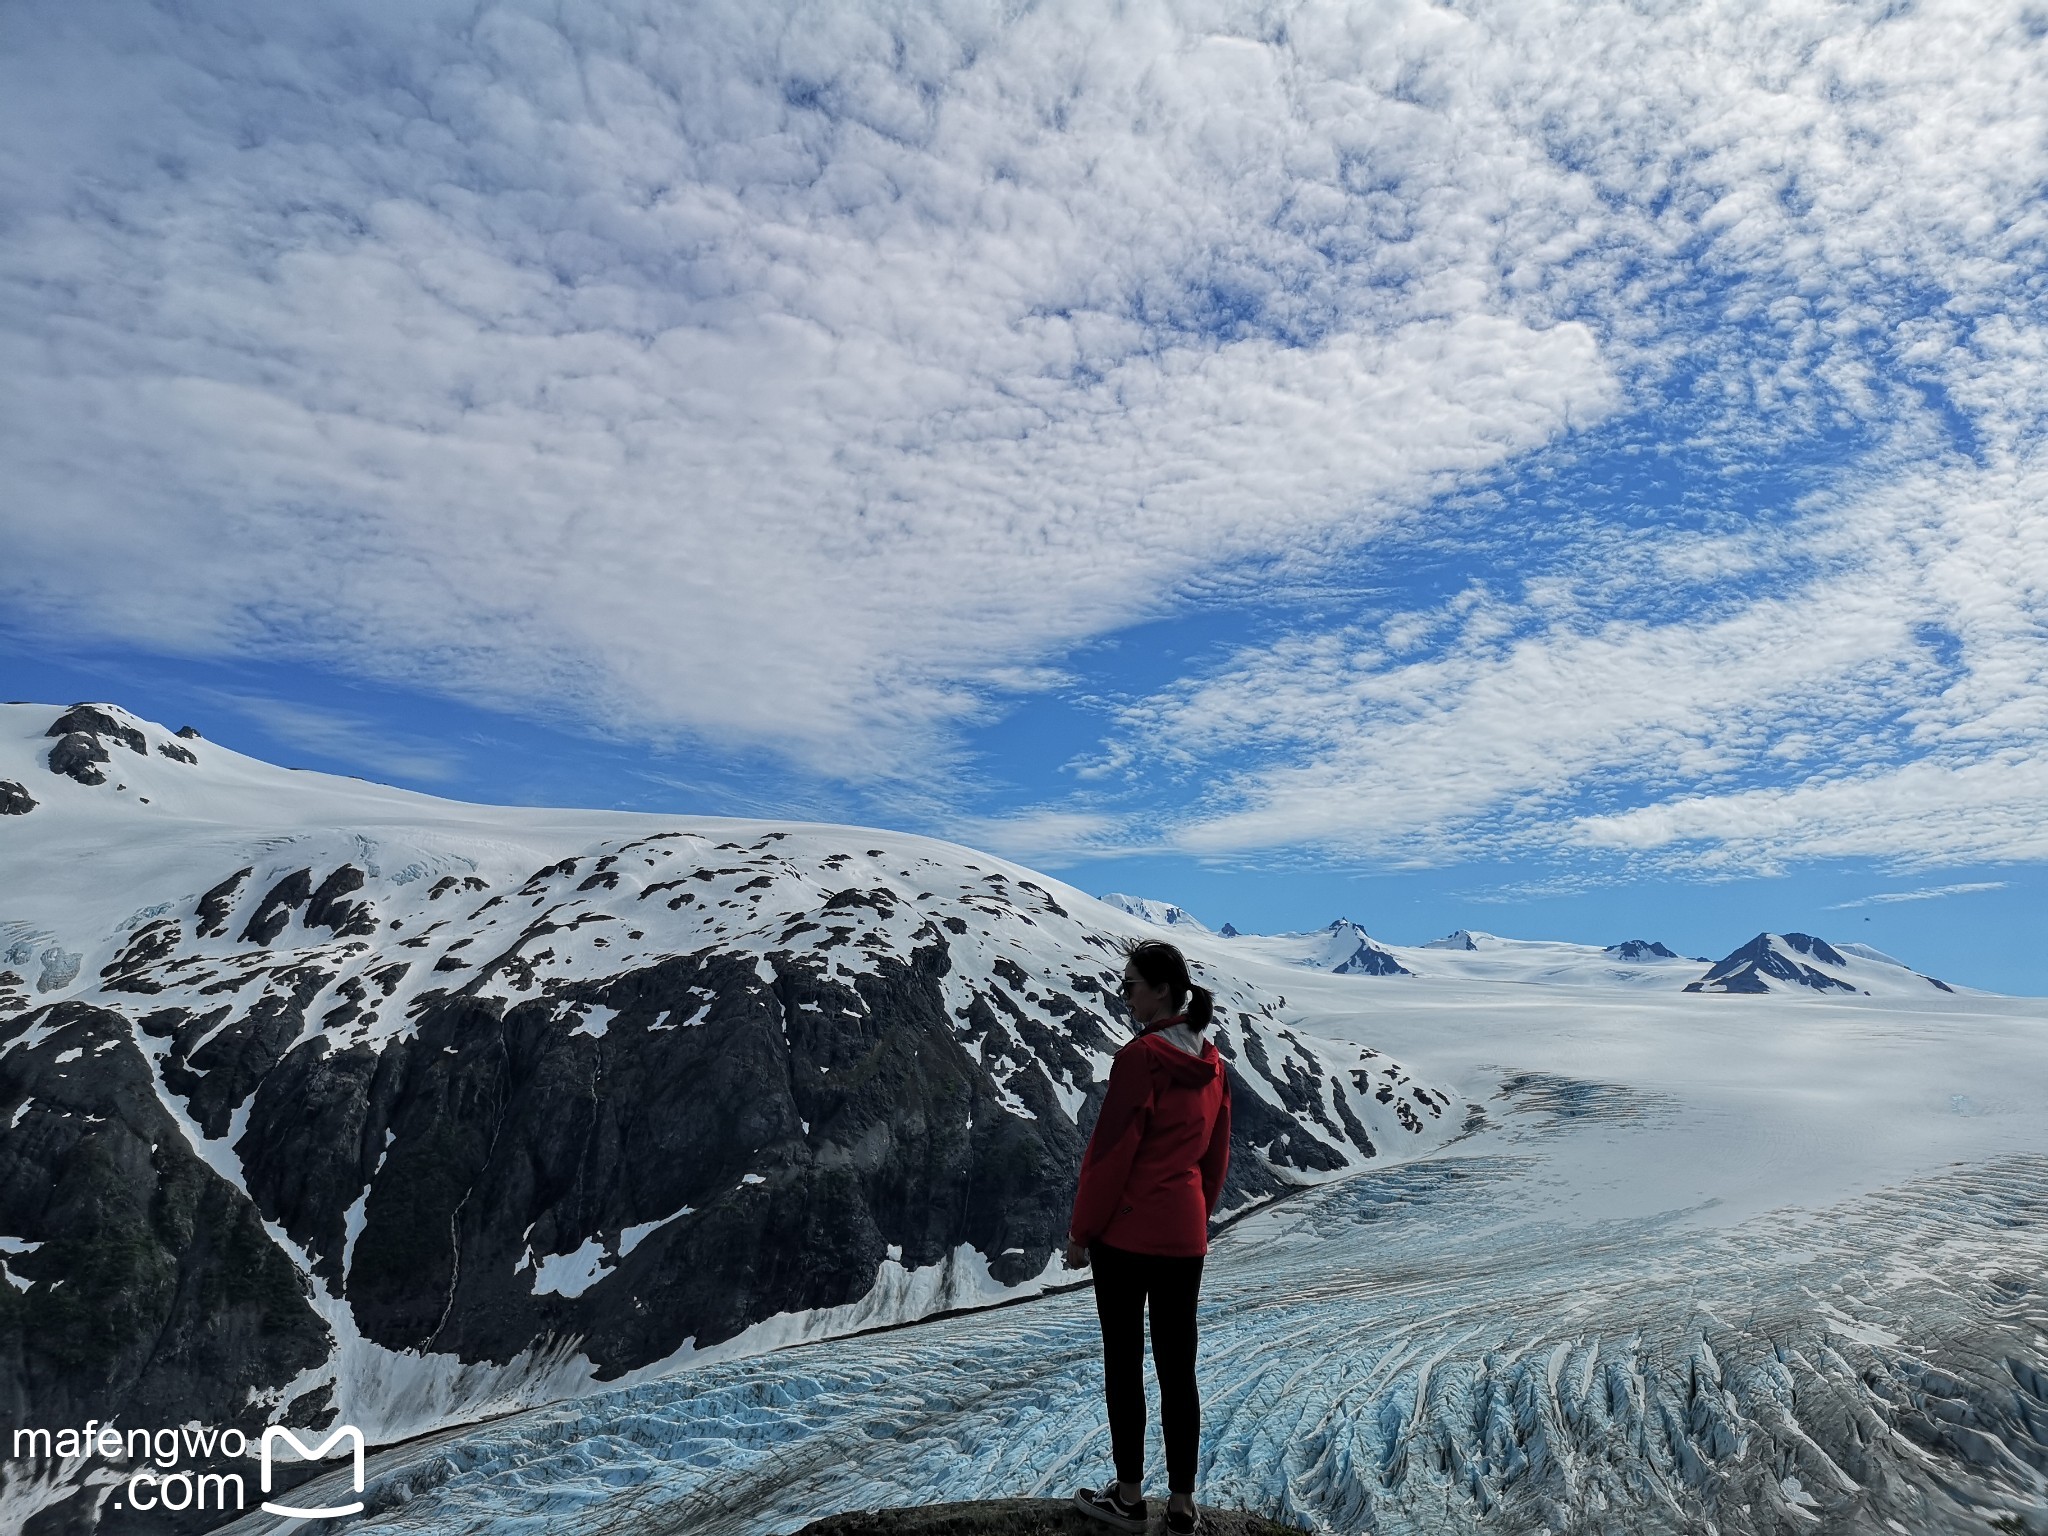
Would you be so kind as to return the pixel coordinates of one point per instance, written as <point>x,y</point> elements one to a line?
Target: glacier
<point>1729,1265</point>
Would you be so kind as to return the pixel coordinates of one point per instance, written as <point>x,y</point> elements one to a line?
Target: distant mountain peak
<point>1162,913</point>
<point>1641,949</point>
<point>1463,938</point>
<point>1799,960</point>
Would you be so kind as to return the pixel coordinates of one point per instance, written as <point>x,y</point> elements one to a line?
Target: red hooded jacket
<point>1154,1167</point>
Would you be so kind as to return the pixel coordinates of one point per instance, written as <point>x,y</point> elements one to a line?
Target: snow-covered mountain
<point>320,1099</point>
<point>1773,962</point>
<point>1636,950</point>
<point>1346,948</point>
<point>1342,949</point>
<point>1799,963</point>
<point>1162,914</point>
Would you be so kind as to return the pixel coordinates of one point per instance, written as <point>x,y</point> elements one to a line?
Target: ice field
<point>1717,1264</point>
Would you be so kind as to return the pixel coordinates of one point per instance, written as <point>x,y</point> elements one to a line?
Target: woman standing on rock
<point>1151,1177</point>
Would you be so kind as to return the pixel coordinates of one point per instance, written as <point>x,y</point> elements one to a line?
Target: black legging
<point>1123,1281</point>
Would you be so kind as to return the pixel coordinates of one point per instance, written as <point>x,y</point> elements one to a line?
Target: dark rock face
<point>807,1125</point>
<point>327,909</point>
<point>93,720</point>
<point>1746,968</point>
<point>78,756</point>
<point>190,733</point>
<point>175,1303</point>
<point>15,799</point>
<point>274,912</point>
<point>1640,950</point>
<point>176,753</point>
<point>217,903</point>
<point>149,945</point>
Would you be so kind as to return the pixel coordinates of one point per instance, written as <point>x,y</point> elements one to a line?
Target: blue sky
<point>1561,470</point>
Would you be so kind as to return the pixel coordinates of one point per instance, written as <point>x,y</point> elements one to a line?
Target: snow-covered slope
<point>475,1106</point>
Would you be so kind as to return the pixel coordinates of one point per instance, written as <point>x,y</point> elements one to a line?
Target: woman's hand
<point>1077,1255</point>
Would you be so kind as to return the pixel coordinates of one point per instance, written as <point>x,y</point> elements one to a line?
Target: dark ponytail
<point>1166,967</point>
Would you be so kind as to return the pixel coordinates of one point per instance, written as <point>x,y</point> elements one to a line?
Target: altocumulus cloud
<point>784,375</point>
<point>1812,224</point>
<point>812,376</point>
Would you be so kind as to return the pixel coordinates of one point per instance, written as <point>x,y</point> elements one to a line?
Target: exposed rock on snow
<point>78,756</point>
<point>15,799</point>
<point>101,721</point>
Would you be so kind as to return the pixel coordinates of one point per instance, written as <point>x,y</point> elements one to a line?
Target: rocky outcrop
<point>274,912</point>
<point>100,723</point>
<point>78,756</point>
<point>215,906</point>
<point>1019,1517</point>
<point>84,732</point>
<point>15,800</point>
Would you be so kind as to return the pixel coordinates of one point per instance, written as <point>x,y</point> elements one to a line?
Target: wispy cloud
<point>344,738</point>
<point>1050,835</point>
<point>1926,893</point>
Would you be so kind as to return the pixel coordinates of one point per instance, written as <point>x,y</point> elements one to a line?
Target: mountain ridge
<point>477,1109</point>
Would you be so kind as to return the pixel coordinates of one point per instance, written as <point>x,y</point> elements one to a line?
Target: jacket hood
<point>1182,1070</point>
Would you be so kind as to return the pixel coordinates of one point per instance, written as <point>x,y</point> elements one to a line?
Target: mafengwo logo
<point>348,1432</point>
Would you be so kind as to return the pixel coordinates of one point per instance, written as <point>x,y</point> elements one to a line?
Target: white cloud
<point>1926,893</point>
<point>1888,705</point>
<point>788,383</point>
<point>1052,834</point>
<point>344,737</point>
<point>798,376</point>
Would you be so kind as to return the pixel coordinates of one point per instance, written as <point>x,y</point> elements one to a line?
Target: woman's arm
<point>1216,1156</point>
<point>1126,1109</point>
